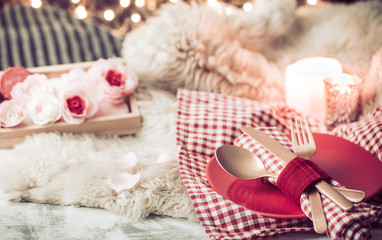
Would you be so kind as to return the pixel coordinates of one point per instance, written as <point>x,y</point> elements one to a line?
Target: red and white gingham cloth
<point>205,121</point>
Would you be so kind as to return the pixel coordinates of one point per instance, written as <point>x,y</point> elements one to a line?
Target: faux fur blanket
<point>198,48</point>
<point>246,54</point>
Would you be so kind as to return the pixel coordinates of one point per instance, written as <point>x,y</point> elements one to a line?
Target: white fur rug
<point>196,48</point>
<point>73,169</point>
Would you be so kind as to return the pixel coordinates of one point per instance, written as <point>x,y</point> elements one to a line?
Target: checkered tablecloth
<point>205,121</point>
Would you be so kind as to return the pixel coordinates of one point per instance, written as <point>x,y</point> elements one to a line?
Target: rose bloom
<point>79,96</point>
<point>11,113</point>
<point>78,105</point>
<point>23,91</point>
<point>76,77</point>
<point>115,78</point>
<point>43,108</point>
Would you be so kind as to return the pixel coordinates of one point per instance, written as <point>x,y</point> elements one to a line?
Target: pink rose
<point>11,113</point>
<point>115,78</point>
<point>23,91</point>
<point>79,96</point>
<point>78,105</point>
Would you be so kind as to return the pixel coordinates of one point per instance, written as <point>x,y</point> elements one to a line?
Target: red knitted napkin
<point>205,121</point>
<point>297,176</point>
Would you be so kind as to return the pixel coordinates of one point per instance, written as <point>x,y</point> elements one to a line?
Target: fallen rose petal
<point>128,160</point>
<point>164,157</point>
<point>120,182</point>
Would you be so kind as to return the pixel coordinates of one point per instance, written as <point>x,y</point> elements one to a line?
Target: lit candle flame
<point>343,83</point>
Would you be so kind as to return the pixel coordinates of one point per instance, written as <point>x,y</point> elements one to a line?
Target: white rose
<point>34,83</point>
<point>43,108</point>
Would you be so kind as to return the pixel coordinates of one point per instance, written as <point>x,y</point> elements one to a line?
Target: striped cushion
<point>47,36</point>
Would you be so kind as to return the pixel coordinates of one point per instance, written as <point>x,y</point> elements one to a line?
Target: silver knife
<point>286,156</point>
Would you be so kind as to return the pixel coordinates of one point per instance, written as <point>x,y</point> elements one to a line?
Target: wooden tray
<point>113,124</point>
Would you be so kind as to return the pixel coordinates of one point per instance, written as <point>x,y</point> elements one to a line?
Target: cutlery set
<point>245,165</point>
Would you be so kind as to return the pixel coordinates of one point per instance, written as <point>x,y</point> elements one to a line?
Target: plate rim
<point>265,214</point>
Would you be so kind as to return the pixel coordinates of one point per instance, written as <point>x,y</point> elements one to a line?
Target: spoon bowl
<point>241,163</point>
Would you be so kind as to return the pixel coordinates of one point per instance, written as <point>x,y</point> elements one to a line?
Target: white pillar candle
<point>304,85</point>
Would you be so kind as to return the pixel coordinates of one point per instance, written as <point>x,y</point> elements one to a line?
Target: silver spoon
<point>245,165</point>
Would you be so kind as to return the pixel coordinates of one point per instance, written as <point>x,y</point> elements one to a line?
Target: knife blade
<point>286,156</point>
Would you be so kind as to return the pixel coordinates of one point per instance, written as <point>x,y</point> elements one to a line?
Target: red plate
<point>344,161</point>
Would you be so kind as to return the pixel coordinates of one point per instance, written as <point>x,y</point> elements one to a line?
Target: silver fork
<point>305,147</point>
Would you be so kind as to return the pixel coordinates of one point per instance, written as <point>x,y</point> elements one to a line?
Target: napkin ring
<point>298,175</point>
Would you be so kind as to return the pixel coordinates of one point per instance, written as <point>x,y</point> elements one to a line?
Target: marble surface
<point>44,221</point>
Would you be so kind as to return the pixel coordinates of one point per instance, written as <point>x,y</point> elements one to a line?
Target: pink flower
<point>23,91</point>
<point>11,113</point>
<point>115,78</point>
<point>78,105</point>
<point>79,96</point>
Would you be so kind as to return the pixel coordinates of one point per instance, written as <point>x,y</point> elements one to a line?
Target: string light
<point>122,15</point>
<point>109,15</point>
<point>311,2</point>
<point>247,7</point>
<point>228,10</point>
<point>139,3</point>
<point>212,3</point>
<point>124,3</point>
<point>80,12</point>
<point>135,17</point>
<point>36,3</point>
<point>151,5</point>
